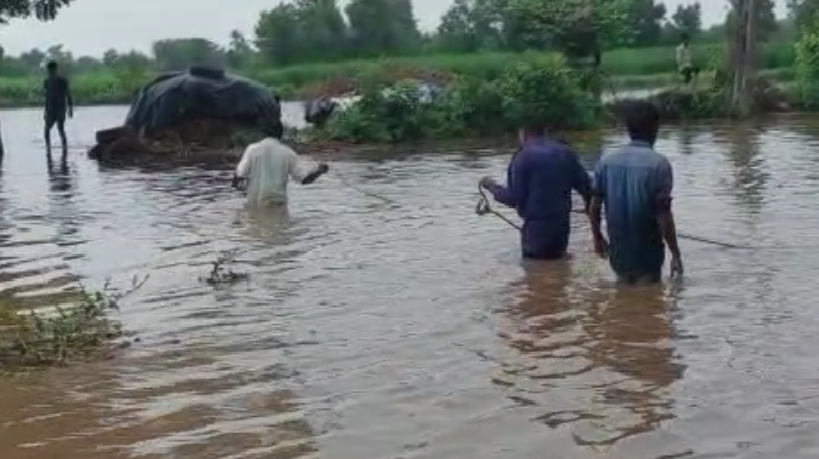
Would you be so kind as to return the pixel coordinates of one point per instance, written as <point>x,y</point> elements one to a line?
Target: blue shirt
<point>540,180</point>
<point>634,182</point>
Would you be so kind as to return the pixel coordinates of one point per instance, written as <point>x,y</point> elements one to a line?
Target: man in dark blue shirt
<point>634,184</point>
<point>58,104</point>
<point>540,180</point>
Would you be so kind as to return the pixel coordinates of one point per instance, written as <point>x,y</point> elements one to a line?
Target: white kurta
<point>268,165</point>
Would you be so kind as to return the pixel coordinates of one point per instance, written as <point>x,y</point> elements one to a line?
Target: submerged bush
<point>544,91</point>
<point>80,329</point>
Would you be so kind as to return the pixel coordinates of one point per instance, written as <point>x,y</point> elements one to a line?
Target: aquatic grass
<point>629,68</point>
<point>78,329</point>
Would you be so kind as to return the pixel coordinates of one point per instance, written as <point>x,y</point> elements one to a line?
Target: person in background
<point>58,105</point>
<point>634,184</point>
<point>685,64</point>
<point>540,180</point>
<point>267,165</point>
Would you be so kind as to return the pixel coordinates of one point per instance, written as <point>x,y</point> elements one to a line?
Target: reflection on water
<point>749,166</point>
<point>405,326</point>
<point>597,359</point>
<point>633,335</point>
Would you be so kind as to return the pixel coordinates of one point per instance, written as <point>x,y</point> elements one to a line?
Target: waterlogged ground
<point>409,329</point>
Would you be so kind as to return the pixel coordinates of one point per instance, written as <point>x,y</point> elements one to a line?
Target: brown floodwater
<point>407,327</point>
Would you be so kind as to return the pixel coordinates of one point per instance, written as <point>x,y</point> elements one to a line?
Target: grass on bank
<point>79,328</point>
<point>630,69</point>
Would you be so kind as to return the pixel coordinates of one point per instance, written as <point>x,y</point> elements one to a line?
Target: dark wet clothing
<point>540,180</point>
<point>635,183</point>
<point>57,99</point>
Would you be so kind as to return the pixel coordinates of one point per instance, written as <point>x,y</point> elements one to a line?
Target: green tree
<point>324,29</point>
<point>645,18</point>
<point>179,54</point>
<point>380,27</point>
<point>577,28</point>
<point>456,32</point>
<point>131,69</point>
<point>766,22</point>
<point>687,19</point>
<point>44,10</point>
<point>279,35</point>
<point>803,13</point>
<point>33,60</point>
<point>239,53</point>
<point>472,25</point>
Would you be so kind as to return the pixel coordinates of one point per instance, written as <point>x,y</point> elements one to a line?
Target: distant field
<point>630,69</point>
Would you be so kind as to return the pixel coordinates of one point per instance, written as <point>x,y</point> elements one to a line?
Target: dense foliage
<point>44,10</point>
<point>807,66</point>
<point>543,90</point>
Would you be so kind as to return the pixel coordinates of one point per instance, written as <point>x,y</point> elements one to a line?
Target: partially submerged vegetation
<point>78,330</point>
<point>544,89</point>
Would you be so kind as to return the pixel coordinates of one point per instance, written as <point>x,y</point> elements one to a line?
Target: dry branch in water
<point>221,275</point>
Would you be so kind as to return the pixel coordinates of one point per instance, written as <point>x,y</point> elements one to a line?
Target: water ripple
<point>383,319</point>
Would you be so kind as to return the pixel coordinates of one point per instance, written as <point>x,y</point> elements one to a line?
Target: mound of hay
<point>200,112</point>
<point>192,139</point>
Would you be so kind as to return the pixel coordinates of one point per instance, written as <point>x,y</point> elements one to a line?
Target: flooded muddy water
<point>407,327</point>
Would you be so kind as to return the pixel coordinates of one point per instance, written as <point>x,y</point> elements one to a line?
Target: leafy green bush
<point>548,92</point>
<point>807,68</point>
<point>544,91</point>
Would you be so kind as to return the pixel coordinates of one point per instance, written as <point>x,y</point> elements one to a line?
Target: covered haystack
<point>180,113</point>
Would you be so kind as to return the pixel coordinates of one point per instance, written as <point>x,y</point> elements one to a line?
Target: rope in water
<point>347,183</point>
<point>483,208</point>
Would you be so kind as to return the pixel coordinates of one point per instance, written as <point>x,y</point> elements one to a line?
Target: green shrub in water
<point>807,68</point>
<point>80,329</point>
<point>546,91</point>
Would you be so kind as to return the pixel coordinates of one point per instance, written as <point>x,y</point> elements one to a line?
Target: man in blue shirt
<point>540,180</point>
<point>634,184</point>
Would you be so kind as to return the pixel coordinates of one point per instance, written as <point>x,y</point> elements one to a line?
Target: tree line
<point>310,31</point>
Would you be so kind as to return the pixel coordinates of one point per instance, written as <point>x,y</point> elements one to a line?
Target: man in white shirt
<point>685,64</point>
<point>266,167</point>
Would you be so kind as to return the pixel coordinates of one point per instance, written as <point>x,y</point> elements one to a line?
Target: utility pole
<point>743,60</point>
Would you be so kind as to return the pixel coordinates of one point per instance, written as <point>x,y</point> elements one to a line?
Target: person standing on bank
<point>58,105</point>
<point>267,165</point>
<point>685,63</point>
<point>540,180</point>
<point>633,184</point>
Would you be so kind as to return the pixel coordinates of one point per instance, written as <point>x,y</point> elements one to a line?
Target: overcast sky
<point>94,26</point>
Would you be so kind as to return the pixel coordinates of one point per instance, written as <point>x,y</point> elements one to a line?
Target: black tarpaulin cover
<point>202,93</point>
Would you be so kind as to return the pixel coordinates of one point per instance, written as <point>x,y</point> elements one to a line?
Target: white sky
<point>90,27</point>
